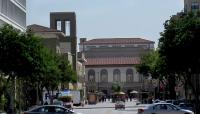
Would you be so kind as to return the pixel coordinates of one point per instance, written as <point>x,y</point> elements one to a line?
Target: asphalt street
<point>108,108</point>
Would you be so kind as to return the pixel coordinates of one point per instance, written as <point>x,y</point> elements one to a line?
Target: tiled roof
<point>39,28</point>
<point>117,41</point>
<point>113,61</point>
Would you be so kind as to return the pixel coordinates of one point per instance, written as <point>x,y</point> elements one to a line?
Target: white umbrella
<point>134,91</point>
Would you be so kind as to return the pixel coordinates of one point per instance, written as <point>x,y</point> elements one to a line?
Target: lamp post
<point>98,82</point>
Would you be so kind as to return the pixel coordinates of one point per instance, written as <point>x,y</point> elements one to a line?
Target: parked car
<point>58,103</point>
<point>158,101</point>
<point>50,109</point>
<point>186,106</point>
<point>175,102</point>
<point>163,108</point>
<point>169,101</point>
<point>119,105</point>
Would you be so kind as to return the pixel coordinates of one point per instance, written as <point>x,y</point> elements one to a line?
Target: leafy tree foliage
<point>179,45</point>
<point>116,87</point>
<point>67,73</point>
<point>24,57</point>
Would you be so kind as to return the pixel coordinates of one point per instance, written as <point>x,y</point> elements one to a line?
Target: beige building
<point>191,5</point>
<point>58,43</point>
<point>113,60</point>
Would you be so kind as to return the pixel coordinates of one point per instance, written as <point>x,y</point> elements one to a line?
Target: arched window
<point>129,75</point>
<point>91,76</point>
<point>104,75</point>
<point>116,75</point>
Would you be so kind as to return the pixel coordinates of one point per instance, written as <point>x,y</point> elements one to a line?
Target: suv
<point>119,105</point>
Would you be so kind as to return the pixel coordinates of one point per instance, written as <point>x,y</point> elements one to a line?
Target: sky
<point>109,18</point>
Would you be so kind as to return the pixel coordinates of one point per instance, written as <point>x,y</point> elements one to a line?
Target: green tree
<point>179,44</point>
<point>66,70</point>
<point>116,87</point>
<point>19,55</point>
<point>153,65</point>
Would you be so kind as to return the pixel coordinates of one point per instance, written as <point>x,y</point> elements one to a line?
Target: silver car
<point>50,109</point>
<point>163,108</point>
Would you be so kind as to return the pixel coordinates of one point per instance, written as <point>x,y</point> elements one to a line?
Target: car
<point>163,108</point>
<point>186,106</point>
<point>169,101</point>
<point>50,109</point>
<point>119,105</point>
<point>158,101</point>
<point>175,102</point>
<point>57,102</point>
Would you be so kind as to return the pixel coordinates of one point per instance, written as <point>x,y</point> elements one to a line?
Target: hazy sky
<point>109,18</point>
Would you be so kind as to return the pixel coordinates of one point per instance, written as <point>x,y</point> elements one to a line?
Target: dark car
<point>119,105</point>
<point>186,106</point>
<point>50,109</point>
<point>169,101</point>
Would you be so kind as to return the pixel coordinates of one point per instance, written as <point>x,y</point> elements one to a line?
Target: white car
<point>50,109</point>
<point>163,108</point>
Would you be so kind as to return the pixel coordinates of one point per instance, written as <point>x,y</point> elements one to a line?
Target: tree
<point>67,73</point>
<point>179,44</point>
<point>153,65</point>
<point>116,87</point>
<point>18,55</point>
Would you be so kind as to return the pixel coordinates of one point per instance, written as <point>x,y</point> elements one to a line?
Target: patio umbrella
<point>119,93</point>
<point>134,91</point>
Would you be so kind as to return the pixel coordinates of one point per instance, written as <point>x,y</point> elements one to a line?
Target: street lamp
<point>98,82</point>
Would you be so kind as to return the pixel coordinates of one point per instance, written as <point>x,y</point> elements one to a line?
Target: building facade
<point>57,42</point>
<point>66,22</point>
<point>112,61</point>
<point>191,5</point>
<point>13,12</point>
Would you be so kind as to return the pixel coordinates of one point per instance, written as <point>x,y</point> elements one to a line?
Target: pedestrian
<point>46,103</point>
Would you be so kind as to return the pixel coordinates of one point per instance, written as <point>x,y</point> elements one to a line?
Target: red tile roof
<point>117,41</point>
<point>39,28</point>
<point>113,61</point>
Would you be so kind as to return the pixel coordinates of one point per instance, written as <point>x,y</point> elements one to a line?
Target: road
<point>108,108</point>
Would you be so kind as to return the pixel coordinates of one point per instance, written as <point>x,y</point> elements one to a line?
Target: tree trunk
<point>37,93</point>
<point>11,97</point>
<point>197,106</point>
<point>51,96</point>
<point>172,84</point>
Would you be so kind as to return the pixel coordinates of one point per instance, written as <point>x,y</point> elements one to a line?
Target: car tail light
<point>140,111</point>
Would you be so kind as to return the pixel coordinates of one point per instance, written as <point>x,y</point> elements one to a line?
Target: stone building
<point>113,60</point>
<point>61,38</point>
<point>191,5</point>
<point>50,37</point>
<point>13,12</point>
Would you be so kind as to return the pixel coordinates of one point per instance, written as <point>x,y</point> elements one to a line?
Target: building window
<point>104,75</point>
<point>129,75</point>
<point>91,76</point>
<point>67,28</point>
<point>13,12</point>
<point>58,25</point>
<point>116,75</point>
<point>195,6</point>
